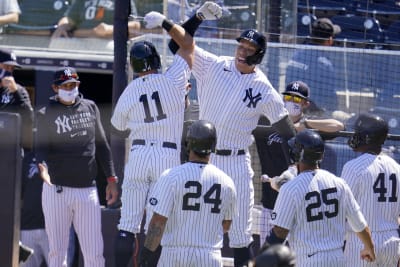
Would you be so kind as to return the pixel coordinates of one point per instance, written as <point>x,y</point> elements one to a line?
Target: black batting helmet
<point>144,57</point>
<point>276,256</point>
<point>201,137</point>
<point>369,129</point>
<point>307,146</point>
<point>259,40</point>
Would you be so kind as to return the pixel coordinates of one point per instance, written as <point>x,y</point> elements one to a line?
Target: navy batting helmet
<point>307,146</point>
<point>144,57</point>
<point>259,40</point>
<point>201,137</point>
<point>369,129</point>
<point>276,256</point>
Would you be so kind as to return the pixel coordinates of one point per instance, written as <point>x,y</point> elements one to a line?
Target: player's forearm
<point>327,125</point>
<point>155,232</point>
<point>365,237</point>
<point>9,18</point>
<point>226,225</point>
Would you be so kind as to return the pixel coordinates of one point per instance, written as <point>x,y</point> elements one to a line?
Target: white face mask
<point>293,108</point>
<point>68,96</point>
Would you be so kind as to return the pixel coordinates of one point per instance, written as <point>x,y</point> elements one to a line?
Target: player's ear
<point>306,103</point>
<point>55,88</point>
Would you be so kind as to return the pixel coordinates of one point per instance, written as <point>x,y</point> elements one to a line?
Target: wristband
<point>112,179</point>
<point>167,25</point>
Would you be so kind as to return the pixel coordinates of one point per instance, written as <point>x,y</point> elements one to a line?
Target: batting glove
<point>153,19</point>
<point>265,178</point>
<point>286,176</point>
<point>209,11</point>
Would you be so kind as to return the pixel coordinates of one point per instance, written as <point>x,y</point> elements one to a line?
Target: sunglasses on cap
<point>293,98</point>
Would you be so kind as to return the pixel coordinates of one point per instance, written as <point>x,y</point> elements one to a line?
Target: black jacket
<point>69,139</point>
<point>20,103</point>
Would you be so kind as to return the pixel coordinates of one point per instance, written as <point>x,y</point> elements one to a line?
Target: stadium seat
<point>384,7</point>
<point>304,21</point>
<point>393,36</point>
<point>324,7</point>
<point>386,11</point>
<point>359,31</point>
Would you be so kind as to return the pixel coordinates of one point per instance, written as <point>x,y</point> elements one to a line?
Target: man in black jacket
<point>70,138</point>
<point>14,97</point>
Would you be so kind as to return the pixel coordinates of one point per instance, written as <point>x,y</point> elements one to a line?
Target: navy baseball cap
<point>65,75</point>
<point>8,57</point>
<point>324,28</point>
<point>298,88</point>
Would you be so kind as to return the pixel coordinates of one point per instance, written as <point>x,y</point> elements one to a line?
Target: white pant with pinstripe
<point>81,207</point>
<point>239,169</point>
<point>190,257</point>
<point>145,165</point>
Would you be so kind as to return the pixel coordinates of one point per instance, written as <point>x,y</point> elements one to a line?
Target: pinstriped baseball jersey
<point>314,207</point>
<point>233,101</point>
<point>375,180</point>
<point>152,106</point>
<point>195,198</point>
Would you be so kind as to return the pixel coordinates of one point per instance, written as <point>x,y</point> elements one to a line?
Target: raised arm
<point>183,38</point>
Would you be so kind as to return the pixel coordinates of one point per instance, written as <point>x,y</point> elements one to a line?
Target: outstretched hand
<point>278,181</point>
<point>44,174</point>
<point>153,19</point>
<point>209,11</point>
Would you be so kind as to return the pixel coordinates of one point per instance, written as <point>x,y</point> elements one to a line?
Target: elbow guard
<point>190,26</point>
<point>285,128</point>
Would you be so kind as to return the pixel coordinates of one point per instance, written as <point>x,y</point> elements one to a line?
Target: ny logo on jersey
<point>63,123</point>
<point>252,99</point>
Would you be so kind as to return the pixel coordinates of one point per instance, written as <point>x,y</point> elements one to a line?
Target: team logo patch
<point>153,201</point>
<point>273,215</point>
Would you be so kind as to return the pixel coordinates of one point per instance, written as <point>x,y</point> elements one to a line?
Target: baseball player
<point>232,94</point>
<point>314,207</point>
<point>193,206</point>
<point>374,179</point>
<point>70,140</point>
<point>272,148</point>
<point>152,108</point>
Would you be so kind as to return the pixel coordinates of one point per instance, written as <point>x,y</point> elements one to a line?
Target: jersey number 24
<point>192,200</point>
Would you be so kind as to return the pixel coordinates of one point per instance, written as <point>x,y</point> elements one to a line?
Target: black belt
<point>164,144</point>
<point>228,152</point>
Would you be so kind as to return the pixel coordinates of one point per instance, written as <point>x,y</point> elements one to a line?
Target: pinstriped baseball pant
<point>81,207</point>
<point>239,169</point>
<point>144,167</point>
